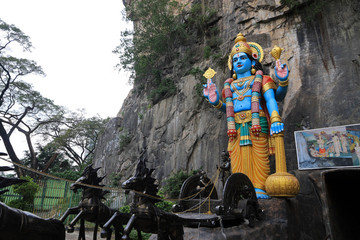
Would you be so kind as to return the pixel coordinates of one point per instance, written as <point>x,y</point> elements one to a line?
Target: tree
<point>11,70</point>
<point>48,157</point>
<point>27,111</point>
<point>51,160</point>
<point>64,134</point>
<point>76,137</point>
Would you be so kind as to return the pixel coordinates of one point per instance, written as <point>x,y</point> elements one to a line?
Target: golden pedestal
<point>281,183</point>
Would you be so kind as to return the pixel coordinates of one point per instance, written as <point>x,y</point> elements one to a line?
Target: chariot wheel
<point>194,185</point>
<point>238,187</point>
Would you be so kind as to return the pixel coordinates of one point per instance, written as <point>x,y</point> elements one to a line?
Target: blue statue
<point>249,99</point>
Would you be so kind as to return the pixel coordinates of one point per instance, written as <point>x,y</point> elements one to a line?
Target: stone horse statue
<point>16,224</point>
<point>145,216</point>
<point>91,208</point>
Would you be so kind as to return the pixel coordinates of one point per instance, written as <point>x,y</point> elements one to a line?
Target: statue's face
<point>241,63</point>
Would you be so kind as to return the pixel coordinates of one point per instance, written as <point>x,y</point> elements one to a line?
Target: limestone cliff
<point>185,132</point>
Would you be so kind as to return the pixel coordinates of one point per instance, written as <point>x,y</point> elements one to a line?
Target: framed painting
<point>330,147</point>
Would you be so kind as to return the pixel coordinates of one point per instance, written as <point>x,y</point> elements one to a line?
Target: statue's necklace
<point>240,83</point>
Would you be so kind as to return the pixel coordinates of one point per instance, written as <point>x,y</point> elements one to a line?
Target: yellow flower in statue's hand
<point>210,73</point>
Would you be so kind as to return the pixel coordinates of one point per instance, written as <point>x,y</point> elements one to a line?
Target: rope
<point>216,177</point>
<point>208,197</point>
<point>58,178</point>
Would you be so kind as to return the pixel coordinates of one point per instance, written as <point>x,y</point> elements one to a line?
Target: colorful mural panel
<point>328,147</point>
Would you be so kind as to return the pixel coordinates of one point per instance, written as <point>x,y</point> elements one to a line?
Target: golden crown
<point>250,48</point>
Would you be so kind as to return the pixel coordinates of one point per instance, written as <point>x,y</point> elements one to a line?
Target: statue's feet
<point>261,194</point>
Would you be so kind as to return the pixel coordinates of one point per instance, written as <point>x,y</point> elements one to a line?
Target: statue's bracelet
<point>275,119</point>
<point>219,104</point>
<point>284,83</point>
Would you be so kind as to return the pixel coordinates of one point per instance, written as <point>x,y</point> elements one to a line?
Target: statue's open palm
<point>210,92</point>
<point>281,70</point>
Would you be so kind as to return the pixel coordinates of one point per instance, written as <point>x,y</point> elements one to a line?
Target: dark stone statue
<point>16,224</point>
<point>91,208</point>
<point>145,216</point>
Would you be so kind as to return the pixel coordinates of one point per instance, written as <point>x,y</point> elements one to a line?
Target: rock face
<point>185,132</point>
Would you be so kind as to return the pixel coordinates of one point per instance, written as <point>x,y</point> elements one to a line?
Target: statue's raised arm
<point>210,91</point>
<point>281,72</point>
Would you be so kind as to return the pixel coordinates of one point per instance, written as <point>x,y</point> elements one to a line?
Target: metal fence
<point>55,196</point>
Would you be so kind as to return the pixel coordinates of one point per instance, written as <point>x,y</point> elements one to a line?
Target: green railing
<point>55,196</point>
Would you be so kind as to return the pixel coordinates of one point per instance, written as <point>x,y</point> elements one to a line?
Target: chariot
<point>200,204</point>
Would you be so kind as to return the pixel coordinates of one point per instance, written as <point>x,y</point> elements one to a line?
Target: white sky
<point>73,42</point>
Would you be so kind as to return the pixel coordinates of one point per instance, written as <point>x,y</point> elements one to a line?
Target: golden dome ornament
<point>276,52</point>
<point>281,183</point>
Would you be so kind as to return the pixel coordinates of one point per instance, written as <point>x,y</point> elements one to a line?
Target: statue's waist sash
<point>245,116</point>
<point>243,125</point>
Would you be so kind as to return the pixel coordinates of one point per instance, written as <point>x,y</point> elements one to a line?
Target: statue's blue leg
<point>261,194</point>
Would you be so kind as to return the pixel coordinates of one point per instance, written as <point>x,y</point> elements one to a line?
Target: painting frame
<point>330,147</point>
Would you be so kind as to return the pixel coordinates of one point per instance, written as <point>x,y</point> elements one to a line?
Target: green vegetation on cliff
<point>172,185</point>
<point>164,31</point>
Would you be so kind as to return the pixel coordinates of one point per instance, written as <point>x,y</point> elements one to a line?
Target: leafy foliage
<point>125,209</point>
<point>67,174</point>
<point>172,185</point>
<point>47,159</point>
<point>124,140</point>
<point>198,19</point>
<point>165,87</point>
<point>67,146</point>
<point>151,45</point>
<point>115,179</point>
<point>28,191</point>
<point>165,205</point>
<point>76,137</point>
<point>134,235</point>
<point>200,81</point>
<point>163,31</point>
<point>13,34</point>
